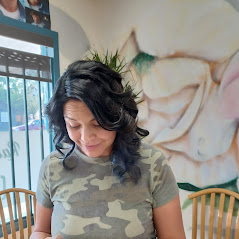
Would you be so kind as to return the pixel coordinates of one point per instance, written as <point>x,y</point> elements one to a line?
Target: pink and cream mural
<point>184,58</point>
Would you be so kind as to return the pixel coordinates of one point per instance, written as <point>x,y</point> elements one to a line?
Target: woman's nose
<point>87,134</point>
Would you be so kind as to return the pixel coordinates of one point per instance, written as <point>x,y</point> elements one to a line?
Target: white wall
<point>100,24</point>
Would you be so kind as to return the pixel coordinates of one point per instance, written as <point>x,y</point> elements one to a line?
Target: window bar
<point>49,96</point>
<point>27,140</point>
<point>27,135</point>
<point>10,132</point>
<point>10,123</point>
<point>50,132</point>
<point>11,144</point>
<point>40,115</point>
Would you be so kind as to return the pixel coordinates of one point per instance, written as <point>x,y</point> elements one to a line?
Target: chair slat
<point>203,200</point>
<point>220,214</point>
<point>229,217</point>
<point>4,226</point>
<point>12,223</point>
<point>20,221</point>
<point>29,224</point>
<point>195,215</point>
<point>237,227</point>
<point>211,216</point>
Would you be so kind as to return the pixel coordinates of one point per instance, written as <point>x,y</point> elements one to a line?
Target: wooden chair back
<point>212,194</point>
<point>29,201</point>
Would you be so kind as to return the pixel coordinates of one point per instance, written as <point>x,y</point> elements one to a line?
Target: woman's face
<point>83,129</point>
<point>34,2</point>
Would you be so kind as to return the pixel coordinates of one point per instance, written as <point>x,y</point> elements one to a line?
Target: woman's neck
<point>9,5</point>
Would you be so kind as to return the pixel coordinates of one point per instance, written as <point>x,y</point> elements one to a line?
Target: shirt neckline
<point>94,160</point>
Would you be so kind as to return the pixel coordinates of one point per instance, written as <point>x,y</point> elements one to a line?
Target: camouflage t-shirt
<point>90,203</point>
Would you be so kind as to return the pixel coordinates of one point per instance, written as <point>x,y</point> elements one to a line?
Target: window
<point>27,76</point>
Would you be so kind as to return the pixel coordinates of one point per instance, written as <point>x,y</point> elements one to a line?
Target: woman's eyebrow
<point>65,116</point>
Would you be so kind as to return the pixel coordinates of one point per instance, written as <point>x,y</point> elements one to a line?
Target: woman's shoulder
<point>152,158</point>
<point>52,158</point>
<point>56,158</point>
<point>150,151</point>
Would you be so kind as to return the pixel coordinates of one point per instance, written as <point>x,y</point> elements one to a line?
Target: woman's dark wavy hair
<point>112,105</point>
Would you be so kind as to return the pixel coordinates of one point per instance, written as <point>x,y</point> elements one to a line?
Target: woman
<point>107,184</point>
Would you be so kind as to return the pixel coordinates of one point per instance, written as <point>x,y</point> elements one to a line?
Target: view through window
<point>25,88</point>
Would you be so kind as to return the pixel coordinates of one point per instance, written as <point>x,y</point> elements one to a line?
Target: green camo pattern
<point>90,203</point>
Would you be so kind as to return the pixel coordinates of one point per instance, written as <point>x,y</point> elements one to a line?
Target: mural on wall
<point>184,58</point>
<point>35,12</point>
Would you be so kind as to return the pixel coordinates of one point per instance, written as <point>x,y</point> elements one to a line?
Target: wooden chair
<point>211,192</point>
<point>16,194</point>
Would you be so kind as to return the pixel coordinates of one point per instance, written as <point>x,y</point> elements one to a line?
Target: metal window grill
<point>25,66</point>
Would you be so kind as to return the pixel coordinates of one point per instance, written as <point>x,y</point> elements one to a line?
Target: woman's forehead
<point>76,109</point>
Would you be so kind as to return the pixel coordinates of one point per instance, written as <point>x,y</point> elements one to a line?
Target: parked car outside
<point>32,125</point>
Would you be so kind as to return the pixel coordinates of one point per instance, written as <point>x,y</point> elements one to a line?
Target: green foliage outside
<point>17,95</point>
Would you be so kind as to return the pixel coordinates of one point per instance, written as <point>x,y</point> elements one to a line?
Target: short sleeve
<point>43,191</point>
<point>164,185</point>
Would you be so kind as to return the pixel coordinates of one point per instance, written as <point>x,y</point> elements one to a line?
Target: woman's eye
<point>74,126</point>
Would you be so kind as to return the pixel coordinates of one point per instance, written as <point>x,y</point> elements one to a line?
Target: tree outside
<point>17,99</point>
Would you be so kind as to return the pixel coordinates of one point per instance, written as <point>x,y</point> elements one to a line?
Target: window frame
<point>26,32</point>
<point>23,31</point>
<point>19,30</point>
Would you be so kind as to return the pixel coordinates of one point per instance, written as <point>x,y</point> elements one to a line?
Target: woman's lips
<point>91,147</point>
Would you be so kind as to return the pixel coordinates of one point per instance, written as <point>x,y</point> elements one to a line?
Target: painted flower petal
<point>190,27</point>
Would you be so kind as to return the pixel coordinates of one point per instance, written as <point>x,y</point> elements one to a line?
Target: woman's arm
<point>42,227</point>
<point>168,220</point>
